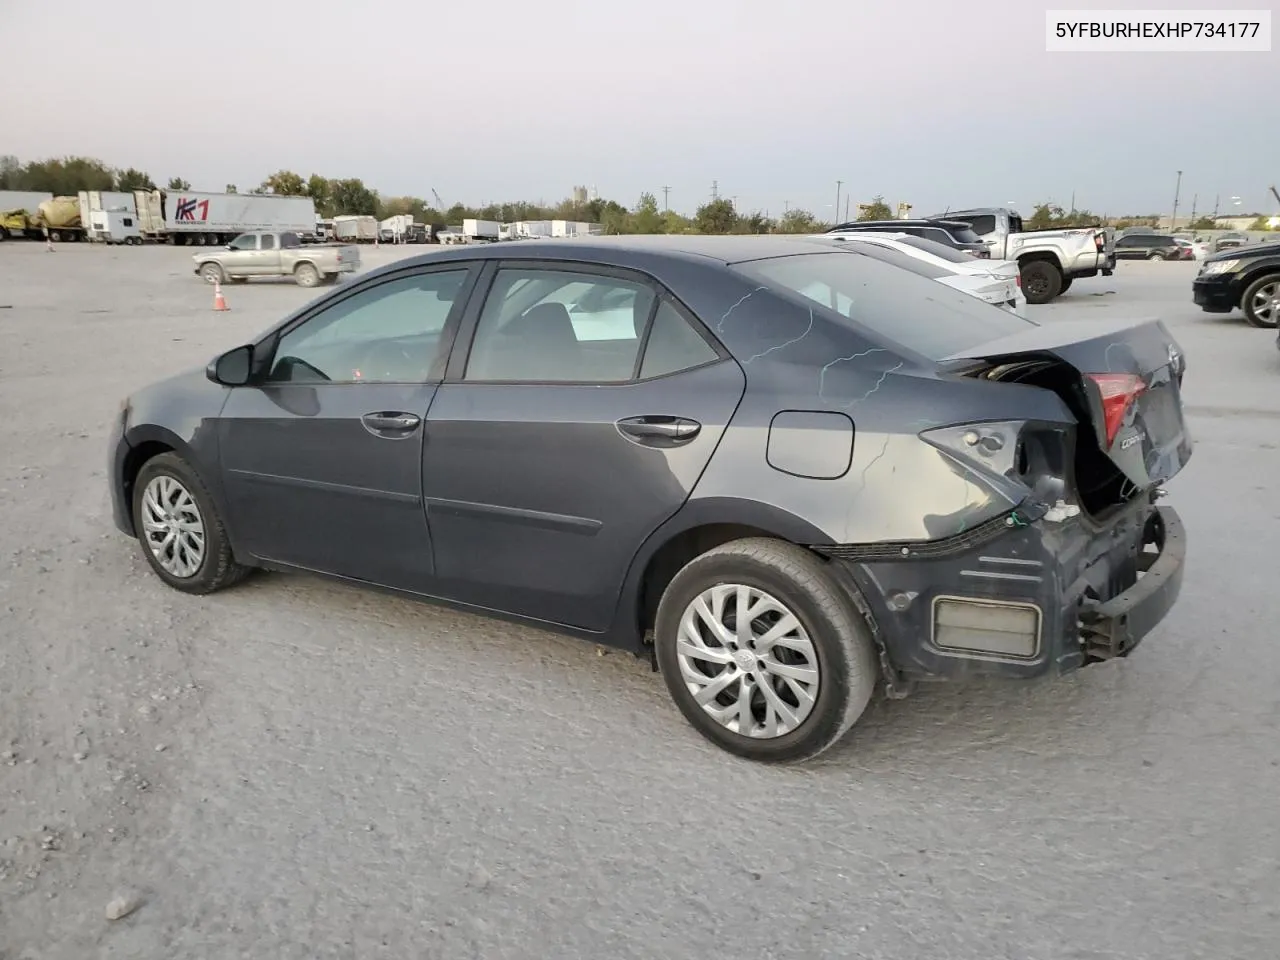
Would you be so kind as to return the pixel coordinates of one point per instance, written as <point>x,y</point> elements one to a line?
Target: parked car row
<point>786,470</point>
<point>1049,261</point>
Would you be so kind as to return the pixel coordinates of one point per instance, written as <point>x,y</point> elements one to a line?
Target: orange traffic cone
<point>219,301</point>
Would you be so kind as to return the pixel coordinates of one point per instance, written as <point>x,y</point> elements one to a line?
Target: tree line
<point>68,175</point>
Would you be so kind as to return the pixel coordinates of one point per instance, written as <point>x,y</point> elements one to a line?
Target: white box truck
<point>481,229</point>
<point>107,201</point>
<point>355,228</point>
<point>201,219</point>
<point>113,226</point>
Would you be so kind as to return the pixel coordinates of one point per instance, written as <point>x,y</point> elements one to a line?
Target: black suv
<point>951,232</point>
<point>1244,277</point>
<point>1151,246</point>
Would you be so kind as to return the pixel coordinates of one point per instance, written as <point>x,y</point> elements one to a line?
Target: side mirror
<point>233,368</point>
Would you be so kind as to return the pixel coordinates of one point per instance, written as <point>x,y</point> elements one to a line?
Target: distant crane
<point>439,203</point>
<point>1274,194</point>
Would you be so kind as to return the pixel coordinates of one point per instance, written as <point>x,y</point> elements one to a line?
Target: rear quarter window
<point>894,303</point>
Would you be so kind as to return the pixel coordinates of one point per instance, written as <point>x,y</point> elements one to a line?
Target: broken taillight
<point>1119,391</point>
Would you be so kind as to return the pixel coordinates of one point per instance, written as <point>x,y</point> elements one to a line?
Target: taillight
<point>1119,391</point>
<point>1018,279</point>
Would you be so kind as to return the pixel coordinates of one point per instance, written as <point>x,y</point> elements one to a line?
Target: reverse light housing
<point>1119,391</point>
<point>1018,458</point>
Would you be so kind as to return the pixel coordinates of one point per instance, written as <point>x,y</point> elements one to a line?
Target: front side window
<point>388,333</point>
<point>559,326</point>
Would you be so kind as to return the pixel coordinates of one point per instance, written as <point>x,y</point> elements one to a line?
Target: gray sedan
<point>787,472</point>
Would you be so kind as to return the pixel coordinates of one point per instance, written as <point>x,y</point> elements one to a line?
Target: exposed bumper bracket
<point>1113,628</point>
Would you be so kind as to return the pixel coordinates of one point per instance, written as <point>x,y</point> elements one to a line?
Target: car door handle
<point>666,431</point>
<point>390,423</point>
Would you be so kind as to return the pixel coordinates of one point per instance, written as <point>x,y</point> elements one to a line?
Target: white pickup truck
<point>1049,259</point>
<point>262,253</point>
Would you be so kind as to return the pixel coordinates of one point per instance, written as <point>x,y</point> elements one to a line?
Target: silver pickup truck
<point>1050,259</point>
<point>265,254</point>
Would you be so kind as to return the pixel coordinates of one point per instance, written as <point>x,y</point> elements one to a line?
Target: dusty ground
<point>295,769</point>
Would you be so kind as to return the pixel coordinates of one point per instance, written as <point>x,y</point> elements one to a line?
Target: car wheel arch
<point>699,526</point>
<point>147,441</point>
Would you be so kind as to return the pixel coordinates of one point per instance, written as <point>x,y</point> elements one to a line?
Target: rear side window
<point>963,235</point>
<point>899,305</point>
<point>268,242</point>
<point>674,345</point>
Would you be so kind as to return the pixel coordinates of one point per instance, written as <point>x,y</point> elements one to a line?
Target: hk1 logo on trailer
<point>188,209</point>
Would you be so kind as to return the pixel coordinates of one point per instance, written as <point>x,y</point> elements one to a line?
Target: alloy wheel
<point>1266,304</point>
<point>748,661</point>
<point>172,526</point>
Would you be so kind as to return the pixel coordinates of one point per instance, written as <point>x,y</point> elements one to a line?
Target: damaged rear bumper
<point>1020,597</point>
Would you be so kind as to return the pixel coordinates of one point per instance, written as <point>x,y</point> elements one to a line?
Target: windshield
<point>897,304</point>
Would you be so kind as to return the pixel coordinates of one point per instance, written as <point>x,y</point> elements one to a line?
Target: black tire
<point>1041,281</point>
<point>846,653</point>
<point>213,273</point>
<point>1065,286</point>
<point>218,568</point>
<point>306,275</point>
<point>1246,301</point>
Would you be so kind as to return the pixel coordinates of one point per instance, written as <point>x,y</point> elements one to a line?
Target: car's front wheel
<point>1261,302</point>
<point>763,652</point>
<point>182,535</point>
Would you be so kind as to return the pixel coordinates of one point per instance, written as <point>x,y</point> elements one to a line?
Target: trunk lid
<point>1127,387</point>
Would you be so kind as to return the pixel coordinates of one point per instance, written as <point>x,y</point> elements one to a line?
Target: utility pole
<point>786,207</point>
<point>846,207</point>
<point>1173,220</point>
<point>1216,198</point>
<point>1194,198</point>
<point>666,194</point>
<point>839,184</point>
<point>715,189</point>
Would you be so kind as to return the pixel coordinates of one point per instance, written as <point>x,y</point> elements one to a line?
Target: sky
<point>933,102</point>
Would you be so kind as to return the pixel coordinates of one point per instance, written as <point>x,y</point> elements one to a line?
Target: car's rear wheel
<point>763,652</point>
<point>1261,302</point>
<point>1155,255</point>
<point>306,275</point>
<point>1041,281</point>
<point>176,522</point>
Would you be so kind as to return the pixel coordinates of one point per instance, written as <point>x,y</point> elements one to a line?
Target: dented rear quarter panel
<point>896,487</point>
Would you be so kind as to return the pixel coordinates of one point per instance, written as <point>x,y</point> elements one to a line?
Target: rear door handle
<point>659,430</point>
<point>390,424</point>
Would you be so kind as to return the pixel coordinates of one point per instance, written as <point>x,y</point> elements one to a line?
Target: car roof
<point>617,249</point>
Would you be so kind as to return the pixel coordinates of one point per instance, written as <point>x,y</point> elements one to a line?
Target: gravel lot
<point>295,769</point>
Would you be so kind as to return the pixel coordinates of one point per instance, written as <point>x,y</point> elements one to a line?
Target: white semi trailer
<point>204,219</point>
